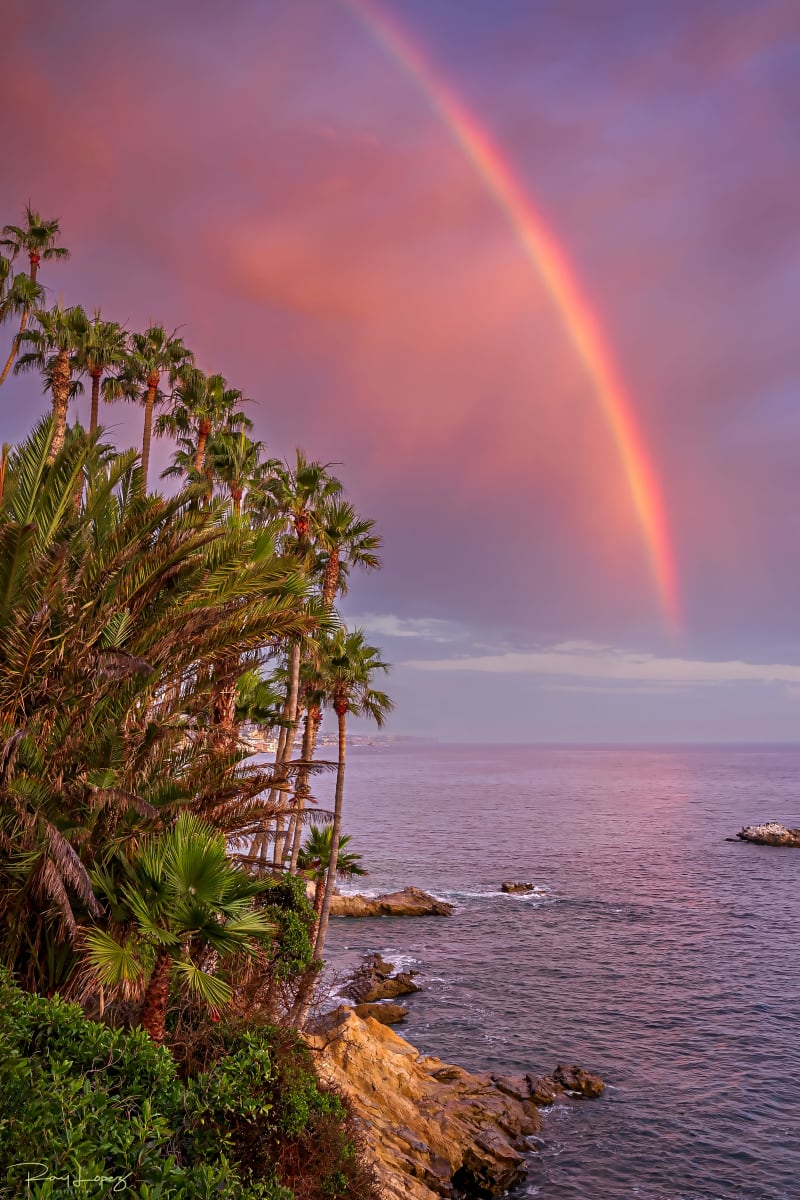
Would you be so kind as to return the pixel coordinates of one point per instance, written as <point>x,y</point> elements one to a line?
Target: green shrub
<point>286,904</point>
<point>87,1111</point>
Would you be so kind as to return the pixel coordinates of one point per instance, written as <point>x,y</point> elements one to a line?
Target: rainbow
<point>555,271</point>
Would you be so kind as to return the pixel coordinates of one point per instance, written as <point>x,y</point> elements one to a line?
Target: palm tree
<point>104,348</point>
<point>235,461</point>
<point>182,896</point>
<point>37,238</point>
<point>345,540</point>
<point>315,858</point>
<point>114,613</point>
<point>18,292</point>
<point>294,495</point>
<point>152,354</point>
<point>347,672</point>
<point>202,405</point>
<point>53,345</point>
<point>350,668</point>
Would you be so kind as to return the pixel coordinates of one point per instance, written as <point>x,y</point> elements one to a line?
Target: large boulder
<point>410,902</point>
<point>513,888</point>
<point>771,833</point>
<point>387,1014</point>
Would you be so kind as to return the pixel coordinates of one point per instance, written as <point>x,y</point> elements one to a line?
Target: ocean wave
<point>453,895</point>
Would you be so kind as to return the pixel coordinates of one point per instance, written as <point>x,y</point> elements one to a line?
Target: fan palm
<point>349,669</point>
<point>344,540</point>
<point>315,855</point>
<point>18,292</point>
<point>152,355</point>
<point>103,348</point>
<point>37,238</point>
<point>235,461</point>
<point>294,495</point>
<point>52,345</point>
<point>346,676</point>
<point>201,406</point>
<point>181,896</point>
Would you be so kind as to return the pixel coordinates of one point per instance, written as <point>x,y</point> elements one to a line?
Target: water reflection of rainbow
<point>555,271</point>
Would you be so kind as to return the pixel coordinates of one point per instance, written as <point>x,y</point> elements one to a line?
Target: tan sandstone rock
<point>410,902</point>
<point>387,1014</point>
<point>432,1126</point>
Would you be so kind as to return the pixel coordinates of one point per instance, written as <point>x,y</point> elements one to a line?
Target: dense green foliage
<point>244,1118</point>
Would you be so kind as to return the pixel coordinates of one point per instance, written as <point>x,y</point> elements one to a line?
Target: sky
<point>270,178</point>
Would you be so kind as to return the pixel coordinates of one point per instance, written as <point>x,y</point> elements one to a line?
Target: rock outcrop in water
<point>374,981</point>
<point>410,902</point>
<point>772,833</point>
<point>434,1129</point>
<point>513,888</point>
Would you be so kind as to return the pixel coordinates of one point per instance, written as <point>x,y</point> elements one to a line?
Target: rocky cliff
<point>435,1129</point>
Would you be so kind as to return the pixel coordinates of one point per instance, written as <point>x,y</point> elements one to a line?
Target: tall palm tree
<point>349,667</point>
<point>103,349</point>
<point>294,495</point>
<point>202,405</point>
<point>37,238</point>
<point>152,355</point>
<point>52,346</point>
<point>344,539</point>
<point>182,897</point>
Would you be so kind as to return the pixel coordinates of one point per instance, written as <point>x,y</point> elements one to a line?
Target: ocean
<point>654,952</point>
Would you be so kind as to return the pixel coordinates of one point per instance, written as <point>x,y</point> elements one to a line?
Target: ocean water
<point>654,952</point>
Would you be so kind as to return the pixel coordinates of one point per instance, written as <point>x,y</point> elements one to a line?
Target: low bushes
<point>90,1111</point>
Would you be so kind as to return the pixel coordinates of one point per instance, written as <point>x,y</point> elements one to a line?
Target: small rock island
<point>771,833</point>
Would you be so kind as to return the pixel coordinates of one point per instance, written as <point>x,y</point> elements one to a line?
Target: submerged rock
<point>410,902</point>
<point>433,1128</point>
<point>772,833</point>
<point>512,888</point>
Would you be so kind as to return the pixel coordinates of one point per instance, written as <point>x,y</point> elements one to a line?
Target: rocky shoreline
<point>433,1129</point>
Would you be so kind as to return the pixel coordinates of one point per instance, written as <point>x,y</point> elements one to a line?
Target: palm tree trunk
<point>285,743</point>
<point>154,1009</point>
<point>202,437</point>
<point>301,790</point>
<point>293,715</point>
<point>147,435</point>
<point>331,579</point>
<point>330,882</point>
<point>13,354</point>
<point>94,419</point>
<point>305,992</point>
<point>319,894</point>
<point>60,392</point>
